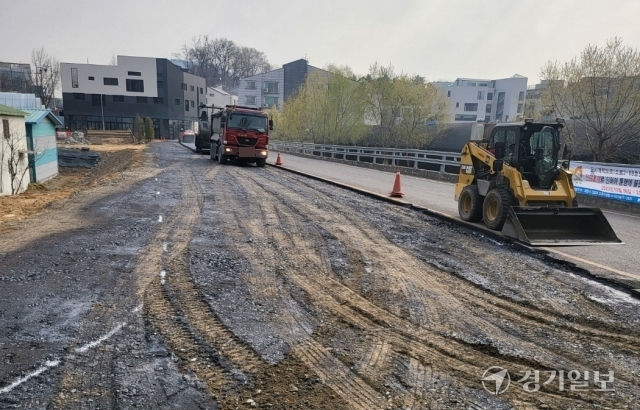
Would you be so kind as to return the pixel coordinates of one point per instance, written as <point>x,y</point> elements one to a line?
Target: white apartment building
<point>220,98</point>
<point>472,99</point>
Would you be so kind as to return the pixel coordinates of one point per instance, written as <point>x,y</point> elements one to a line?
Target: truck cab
<point>240,134</point>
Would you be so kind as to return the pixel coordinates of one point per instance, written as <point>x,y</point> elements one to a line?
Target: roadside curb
<point>189,148</point>
<point>545,255</point>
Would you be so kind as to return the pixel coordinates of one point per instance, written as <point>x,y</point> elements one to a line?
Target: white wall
<point>259,94</point>
<point>219,98</point>
<point>19,135</point>
<point>464,91</point>
<point>145,65</point>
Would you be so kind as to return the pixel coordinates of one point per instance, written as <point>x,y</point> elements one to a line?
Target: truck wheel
<point>261,162</point>
<point>198,150</point>
<point>212,153</point>
<point>496,208</point>
<point>470,204</point>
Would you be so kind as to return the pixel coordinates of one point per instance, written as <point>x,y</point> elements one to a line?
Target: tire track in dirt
<point>281,191</point>
<point>294,329</point>
<point>550,321</point>
<point>87,379</point>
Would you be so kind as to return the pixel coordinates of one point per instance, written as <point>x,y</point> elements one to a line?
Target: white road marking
<point>162,275</point>
<point>137,308</point>
<point>160,218</point>
<point>95,343</point>
<point>47,365</point>
<point>165,247</point>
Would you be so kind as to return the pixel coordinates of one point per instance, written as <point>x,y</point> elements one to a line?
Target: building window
<point>488,109</point>
<point>449,93</point>
<point>91,78</point>
<point>480,95</point>
<point>95,100</point>
<point>471,106</point>
<point>158,100</point>
<point>521,96</point>
<point>487,118</point>
<point>482,84</point>
<point>177,101</point>
<point>465,117</point>
<point>193,103</point>
<point>457,105</point>
<point>5,129</point>
<point>201,90</point>
<point>519,108</point>
<point>271,87</point>
<point>74,77</point>
<point>250,99</point>
<point>110,81</point>
<point>141,100</point>
<point>489,96</point>
<point>136,73</point>
<point>251,85</point>
<point>118,98</point>
<point>271,102</point>
<point>186,105</point>
<point>184,86</point>
<point>135,86</point>
<point>160,84</point>
<point>78,96</point>
<point>192,88</point>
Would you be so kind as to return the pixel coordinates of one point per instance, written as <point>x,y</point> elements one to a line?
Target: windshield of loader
<point>247,122</point>
<point>544,147</point>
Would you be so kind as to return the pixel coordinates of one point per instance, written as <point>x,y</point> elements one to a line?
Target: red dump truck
<point>240,134</point>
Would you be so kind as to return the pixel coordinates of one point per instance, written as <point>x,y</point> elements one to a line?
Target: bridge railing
<point>411,158</point>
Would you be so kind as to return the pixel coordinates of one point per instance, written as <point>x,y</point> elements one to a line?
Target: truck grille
<point>246,141</point>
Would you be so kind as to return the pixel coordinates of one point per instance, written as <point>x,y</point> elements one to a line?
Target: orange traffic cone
<point>278,160</point>
<point>397,190</point>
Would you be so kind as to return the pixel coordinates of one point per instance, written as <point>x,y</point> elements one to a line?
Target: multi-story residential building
<point>473,100</point>
<point>272,88</point>
<point>110,96</point>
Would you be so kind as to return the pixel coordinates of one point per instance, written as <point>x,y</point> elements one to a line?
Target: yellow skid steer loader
<point>512,181</point>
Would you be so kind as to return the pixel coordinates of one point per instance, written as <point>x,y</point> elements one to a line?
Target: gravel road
<point>185,284</point>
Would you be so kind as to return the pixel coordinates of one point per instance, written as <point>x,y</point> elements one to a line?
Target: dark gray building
<point>109,97</point>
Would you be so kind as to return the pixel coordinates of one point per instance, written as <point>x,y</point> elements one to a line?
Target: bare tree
<point>46,75</point>
<point>221,62</point>
<point>600,92</point>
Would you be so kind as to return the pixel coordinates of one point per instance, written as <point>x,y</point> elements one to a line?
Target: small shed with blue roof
<point>41,141</point>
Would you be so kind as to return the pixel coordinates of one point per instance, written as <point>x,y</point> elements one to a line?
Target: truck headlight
<point>227,150</point>
<point>263,153</point>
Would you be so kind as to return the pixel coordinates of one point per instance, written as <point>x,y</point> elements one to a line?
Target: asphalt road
<point>609,260</point>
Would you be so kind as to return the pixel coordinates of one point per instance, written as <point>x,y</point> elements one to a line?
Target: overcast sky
<point>437,39</point>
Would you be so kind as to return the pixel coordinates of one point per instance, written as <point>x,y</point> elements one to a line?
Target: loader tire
<point>495,208</point>
<point>470,204</point>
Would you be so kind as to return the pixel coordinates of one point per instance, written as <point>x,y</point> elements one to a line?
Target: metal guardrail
<point>411,158</point>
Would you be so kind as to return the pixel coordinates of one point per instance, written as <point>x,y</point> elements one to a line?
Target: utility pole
<point>102,111</point>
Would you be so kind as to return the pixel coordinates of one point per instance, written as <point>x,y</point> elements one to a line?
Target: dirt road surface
<point>185,284</point>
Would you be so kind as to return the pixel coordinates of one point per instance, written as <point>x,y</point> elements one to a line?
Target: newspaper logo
<point>496,380</point>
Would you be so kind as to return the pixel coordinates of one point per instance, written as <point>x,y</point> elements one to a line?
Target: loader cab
<point>531,148</point>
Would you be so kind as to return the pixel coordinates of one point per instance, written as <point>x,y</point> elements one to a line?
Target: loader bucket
<point>559,226</point>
